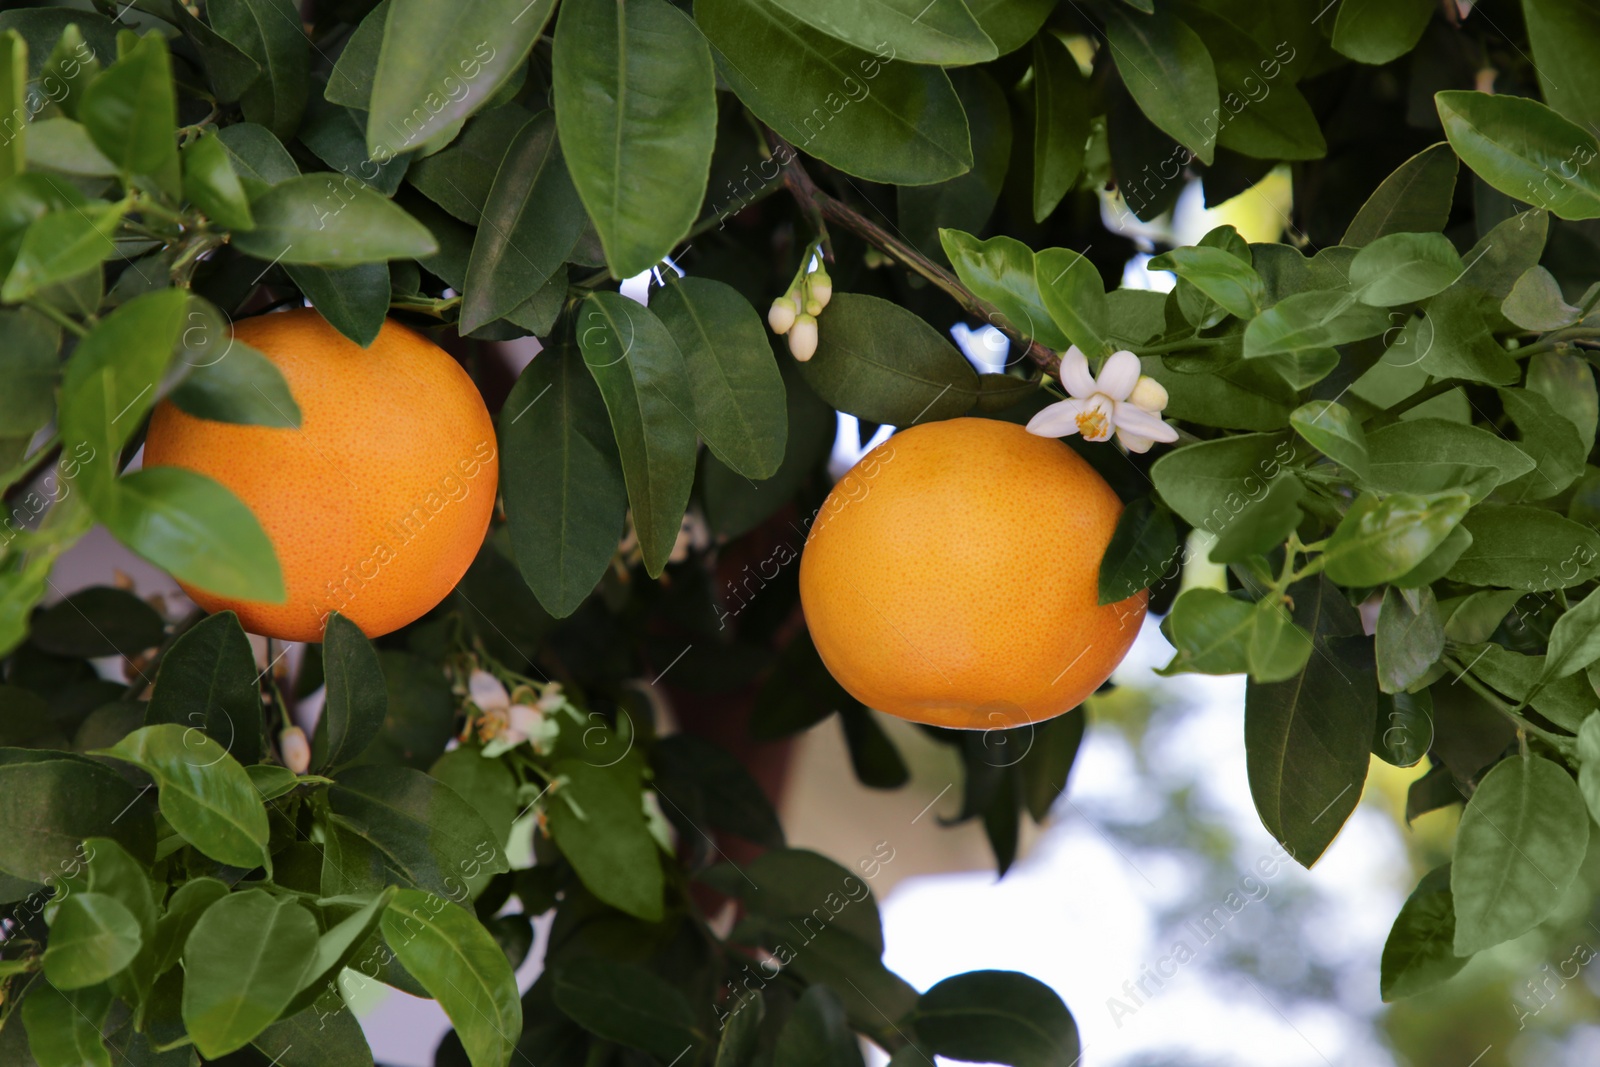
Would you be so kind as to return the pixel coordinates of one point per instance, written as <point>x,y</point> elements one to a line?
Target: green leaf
<point>879,361</point>
<point>1429,455</point>
<point>440,63</point>
<point>461,967</point>
<point>1264,113</point>
<point>354,300</point>
<point>13,101</point>
<point>64,1028</point>
<point>641,375</point>
<point>1075,298</point>
<point>1527,548</point>
<point>1307,738</point>
<point>356,699</point>
<point>131,113</point>
<point>561,478</point>
<point>1143,547</point>
<point>1002,270</point>
<point>1060,125</point>
<point>1410,638</point>
<point>1403,268</point>
<point>739,403</point>
<point>1404,728</point>
<point>1209,483</point>
<point>197,530</point>
<point>626,1004</point>
<point>817,1033</point>
<point>49,806</point>
<point>99,621</point>
<point>65,146</point>
<point>1525,150</point>
<point>1551,441</point>
<point>270,33</point>
<point>1169,73</point>
<point>1420,952</point>
<point>1263,524</point>
<point>337,136</point>
<point>1589,766</point>
<point>1378,31</point>
<point>337,947</point>
<point>1472,618</point>
<point>350,80</point>
<point>243,961</point>
<point>531,218</point>
<point>1574,640</point>
<point>1416,198</point>
<point>316,218</point>
<point>59,246</point>
<point>639,156</point>
<point>1317,319</point>
<point>1010,24</point>
<point>597,822</point>
<point>240,386</point>
<point>1535,302</point>
<point>877,119</point>
<point>92,937</point>
<point>212,186</point>
<point>1331,429</point>
<point>1563,38</point>
<point>1211,632</point>
<point>1380,539</point>
<point>28,362</point>
<point>204,793</point>
<point>1219,274</point>
<point>458,177</point>
<point>1518,848</point>
<point>426,830</point>
<point>228,68</point>
<point>741,1030</point>
<point>997,1017</point>
<point>1567,702</point>
<point>257,155</point>
<point>946,35</point>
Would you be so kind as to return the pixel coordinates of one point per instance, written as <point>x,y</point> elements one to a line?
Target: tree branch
<point>821,208</point>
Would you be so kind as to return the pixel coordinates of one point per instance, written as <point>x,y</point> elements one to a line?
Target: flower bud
<point>813,307</point>
<point>821,288</point>
<point>781,315</point>
<point>1148,394</point>
<point>295,749</point>
<point>803,337</point>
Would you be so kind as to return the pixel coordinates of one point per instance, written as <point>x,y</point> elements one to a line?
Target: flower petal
<point>1075,376</point>
<point>1058,420</point>
<point>1142,423</point>
<point>487,692</point>
<point>1133,442</point>
<point>1119,375</point>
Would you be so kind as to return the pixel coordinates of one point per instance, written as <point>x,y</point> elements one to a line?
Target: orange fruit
<point>951,577</point>
<point>378,502</point>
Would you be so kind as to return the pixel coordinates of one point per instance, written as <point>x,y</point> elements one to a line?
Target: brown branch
<point>821,208</point>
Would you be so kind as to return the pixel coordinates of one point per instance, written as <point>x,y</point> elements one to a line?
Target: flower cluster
<point>1121,401</point>
<point>795,312</point>
<point>505,719</point>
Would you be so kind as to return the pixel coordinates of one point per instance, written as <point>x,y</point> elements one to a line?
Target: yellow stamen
<point>1091,422</point>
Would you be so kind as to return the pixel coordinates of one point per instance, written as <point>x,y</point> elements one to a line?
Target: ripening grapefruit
<point>951,577</point>
<point>377,503</point>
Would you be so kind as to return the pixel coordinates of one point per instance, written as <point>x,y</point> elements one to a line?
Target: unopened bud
<point>781,315</point>
<point>821,288</point>
<point>295,749</point>
<point>803,338</point>
<point>1148,394</point>
<point>813,307</point>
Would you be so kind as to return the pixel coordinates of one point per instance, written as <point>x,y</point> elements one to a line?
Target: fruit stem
<point>822,208</point>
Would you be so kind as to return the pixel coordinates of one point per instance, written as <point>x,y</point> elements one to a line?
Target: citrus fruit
<point>377,503</point>
<point>951,577</point>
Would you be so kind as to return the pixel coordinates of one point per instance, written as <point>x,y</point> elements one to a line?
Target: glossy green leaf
<point>356,699</point>
<point>458,963</point>
<point>1410,638</point>
<point>1211,632</point>
<point>1563,38</point>
<point>210,183</point>
<point>257,155</point>
<point>243,961</point>
<point>1535,302</point>
<point>350,80</point>
<point>1141,552</point>
<point>1263,523</point>
<point>1404,730</point>
<point>1003,271</point>
<point>997,1017</point>
<point>1420,951</point>
<point>739,406</point>
<point>92,937</point>
<point>876,119</point>
<point>239,385</point>
<point>459,176</point>
<point>229,69</point>
<point>1264,115</point>
<point>1307,738</point>
<point>427,831</point>
<point>1317,319</point>
<point>1589,769</point>
<point>531,219</point>
<point>1169,73</point>
<point>337,948</point>
<point>1377,31</point>
<point>626,1004</point>
<point>602,833</point>
<point>1574,640</point>
<point>945,34</point>
<point>1331,429</point>
<point>28,362</point>
<point>642,377</point>
<point>1518,848</point>
<point>131,113</point>
<point>1551,441</point>
<point>64,1028</point>
<point>317,218</point>
<point>59,246</point>
<point>64,146</point>
<point>337,136</point>
<point>101,620</point>
<point>439,63</point>
<point>197,530</point>
<point>1209,483</point>
<point>1416,198</point>
<point>1567,701</point>
<point>561,478</point>
<point>740,1030</point>
<point>1010,24</point>
<point>204,792</point>
<point>1381,539</point>
<point>1525,150</point>
<point>1403,268</point>
<point>49,806</point>
<point>881,362</point>
<point>1426,455</point>
<point>271,34</point>
<point>1075,298</point>
<point>354,300</point>
<point>13,99</point>
<point>1220,275</point>
<point>1060,125</point>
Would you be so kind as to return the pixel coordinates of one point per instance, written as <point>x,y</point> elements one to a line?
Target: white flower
<point>487,692</point>
<point>1120,401</point>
